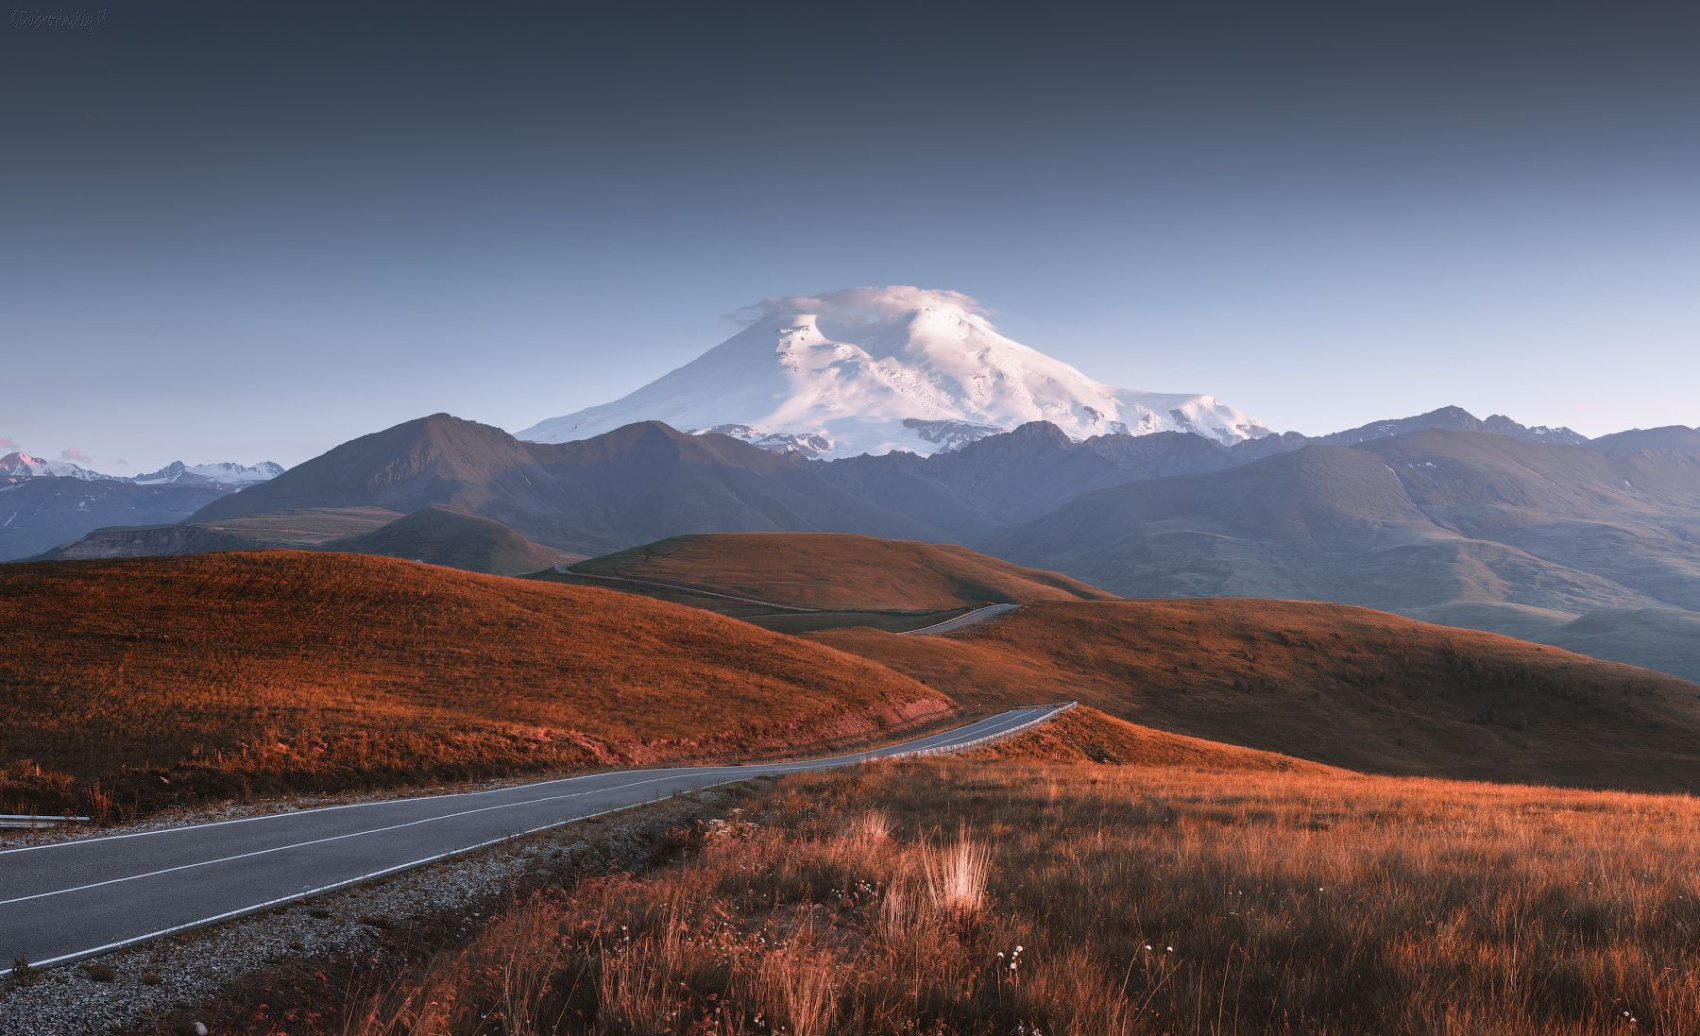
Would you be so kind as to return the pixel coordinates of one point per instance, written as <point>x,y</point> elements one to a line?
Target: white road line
<point>1016,718</point>
<point>672,774</point>
<point>321,841</point>
<point>418,798</point>
<point>908,747</point>
<point>966,619</point>
<point>299,813</point>
<point>309,893</point>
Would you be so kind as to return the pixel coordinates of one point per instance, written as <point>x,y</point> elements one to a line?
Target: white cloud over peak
<point>861,304</point>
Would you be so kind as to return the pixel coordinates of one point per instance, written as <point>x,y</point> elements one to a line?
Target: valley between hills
<point>1306,761</point>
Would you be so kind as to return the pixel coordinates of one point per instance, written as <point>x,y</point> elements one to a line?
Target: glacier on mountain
<point>872,370</point>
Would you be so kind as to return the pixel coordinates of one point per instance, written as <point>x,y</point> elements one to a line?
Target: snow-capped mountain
<point>221,474</point>
<point>872,370</point>
<point>22,465</point>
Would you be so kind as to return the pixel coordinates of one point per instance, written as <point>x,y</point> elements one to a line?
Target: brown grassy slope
<point>1085,735</point>
<point>1345,686</point>
<point>440,535</point>
<point>836,572</point>
<point>307,526</point>
<point>299,669</point>
<point>983,899</point>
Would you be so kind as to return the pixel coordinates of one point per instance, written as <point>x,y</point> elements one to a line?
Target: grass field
<point>308,526</point>
<point>779,619</point>
<point>997,896</point>
<point>133,682</point>
<point>1347,686</point>
<point>840,572</point>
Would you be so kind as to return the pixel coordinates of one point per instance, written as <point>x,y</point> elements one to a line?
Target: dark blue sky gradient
<point>245,231</point>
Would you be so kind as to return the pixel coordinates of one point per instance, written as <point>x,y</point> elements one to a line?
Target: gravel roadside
<point>177,983</point>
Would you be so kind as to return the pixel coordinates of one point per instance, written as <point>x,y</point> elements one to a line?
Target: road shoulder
<point>210,975</point>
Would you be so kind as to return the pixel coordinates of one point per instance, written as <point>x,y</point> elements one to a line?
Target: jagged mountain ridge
<point>1456,419</point>
<point>225,473</point>
<point>639,483</point>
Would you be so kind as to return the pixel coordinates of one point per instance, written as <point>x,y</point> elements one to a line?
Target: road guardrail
<point>26,821</point>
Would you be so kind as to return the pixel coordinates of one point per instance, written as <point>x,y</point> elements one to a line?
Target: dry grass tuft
<point>956,876</point>
<point>1116,902</point>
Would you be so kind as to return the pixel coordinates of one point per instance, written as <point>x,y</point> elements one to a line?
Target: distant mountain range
<point>22,465</point>
<point>177,473</point>
<point>1545,541</point>
<point>46,503</point>
<point>222,474</point>
<point>1487,524</point>
<point>871,370</point>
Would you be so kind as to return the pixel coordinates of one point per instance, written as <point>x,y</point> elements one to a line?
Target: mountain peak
<point>872,370</point>
<point>19,463</point>
<point>1455,418</point>
<point>223,473</point>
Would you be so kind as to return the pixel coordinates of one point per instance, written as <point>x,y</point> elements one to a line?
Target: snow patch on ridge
<point>22,465</point>
<point>224,473</point>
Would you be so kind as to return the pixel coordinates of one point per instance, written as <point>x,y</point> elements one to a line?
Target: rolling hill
<point>1085,735</point>
<point>839,572</point>
<point>1657,638</point>
<point>440,535</point>
<point>1483,524</point>
<point>436,534</point>
<point>306,526</point>
<point>161,679</point>
<point>1338,685</point>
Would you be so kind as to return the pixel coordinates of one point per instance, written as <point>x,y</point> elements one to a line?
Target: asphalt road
<point>973,618</point>
<point>74,899</point>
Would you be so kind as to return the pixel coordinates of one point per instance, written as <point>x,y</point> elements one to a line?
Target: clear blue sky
<point>254,234</point>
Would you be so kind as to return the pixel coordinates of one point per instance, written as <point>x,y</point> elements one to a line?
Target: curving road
<point>963,621</point>
<point>67,900</point>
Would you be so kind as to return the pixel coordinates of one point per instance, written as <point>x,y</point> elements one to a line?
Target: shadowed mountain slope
<point>637,484</point>
<point>1488,531</point>
<point>1671,437</point>
<point>39,514</point>
<point>1657,638</point>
